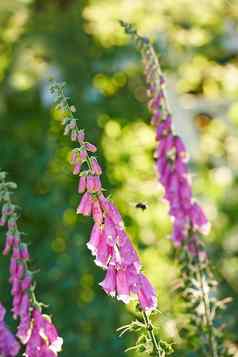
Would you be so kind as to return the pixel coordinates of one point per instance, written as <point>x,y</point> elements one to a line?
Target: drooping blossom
<point>25,308</point>
<point>44,340</point>
<point>108,242</point>
<point>9,347</point>
<point>171,156</point>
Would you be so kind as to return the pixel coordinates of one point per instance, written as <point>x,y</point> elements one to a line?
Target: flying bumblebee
<point>141,205</point>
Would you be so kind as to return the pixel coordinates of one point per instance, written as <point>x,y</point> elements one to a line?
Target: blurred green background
<point>80,41</point>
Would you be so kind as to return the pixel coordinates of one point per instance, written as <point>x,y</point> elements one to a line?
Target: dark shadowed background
<point>80,41</point>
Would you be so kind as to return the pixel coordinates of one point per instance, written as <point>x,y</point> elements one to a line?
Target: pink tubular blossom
<point>96,168</point>
<point>97,212</point>
<point>94,239</point>
<point>9,347</point>
<point>77,168</point>
<point>23,300</point>
<point>93,184</point>
<point>90,147</point>
<point>108,241</point>
<point>146,294</point>
<point>109,283</point>
<point>81,136</point>
<point>83,154</point>
<point>82,184</point>
<point>44,340</point>
<point>85,206</point>
<point>171,158</point>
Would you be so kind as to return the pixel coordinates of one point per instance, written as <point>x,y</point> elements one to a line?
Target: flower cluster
<point>171,156</point>
<point>9,347</point>
<point>34,331</point>
<point>171,163</point>
<point>197,285</point>
<point>108,242</point>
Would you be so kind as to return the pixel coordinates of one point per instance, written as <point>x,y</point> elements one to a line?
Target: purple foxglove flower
<point>122,286</point>
<point>97,184</point>
<point>24,328</point>
<point>146,294</point>
<point>13,266</point>
<point>199,220</point>
<point>166,144</point>
<point>99,247</point>
<point>25,305</point>
<point>77,169</point>
<point>110,210</point>
<point>104,252</point>
<point>24,253</point>
<point>16,252</point>
<point>129,256</point>
<point>109,283</point>
<point>185,194</point>
<point>44,340</point>
<point>16,286</point>
<point>83,154</point>
<point>26,282</point>
<point>180,167</point>
<point>74,158</point>
<point>82,184</point>
<point>178,235</point>
<point>9,347</point>
<point>85,206</point>
<point>156,118</point>
<point>90,147</point>
<point>81,136</point>
<point>96,168</point>
<point>132,278</point>
<point>154,103</point>
<point>120,282</point>
<point>94,239</point>
<point>93,184</point>
<point>8,244</point>
<point>180,147</point>
<point>97,212</point>
<point>164,128</point>
<point>20,270</point>
<point>110,231</point>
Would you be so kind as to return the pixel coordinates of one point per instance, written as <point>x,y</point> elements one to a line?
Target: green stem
<point>205,300</point>
<point>150,331</point>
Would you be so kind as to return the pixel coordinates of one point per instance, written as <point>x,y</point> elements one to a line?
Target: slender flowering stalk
<point>35,330</point>
<point>108,242</point>
<point>189,220</point>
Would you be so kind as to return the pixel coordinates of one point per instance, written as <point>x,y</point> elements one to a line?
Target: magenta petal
<point>111,211</point>
<point>95,166</point>
<point>110,231</point>
<point>94,239</point>
<point>85,206</point>
<point>104,252</point>
<point>9,347</point>
<point>123,291</point>
<point>97,212</point>
<point>82,184</point>
<point>129,255</point>
<point>199,219</point>
<point>109,283</point>
<point>146,294</point>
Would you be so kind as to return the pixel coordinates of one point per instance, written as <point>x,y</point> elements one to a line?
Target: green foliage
<point>83,43</point>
